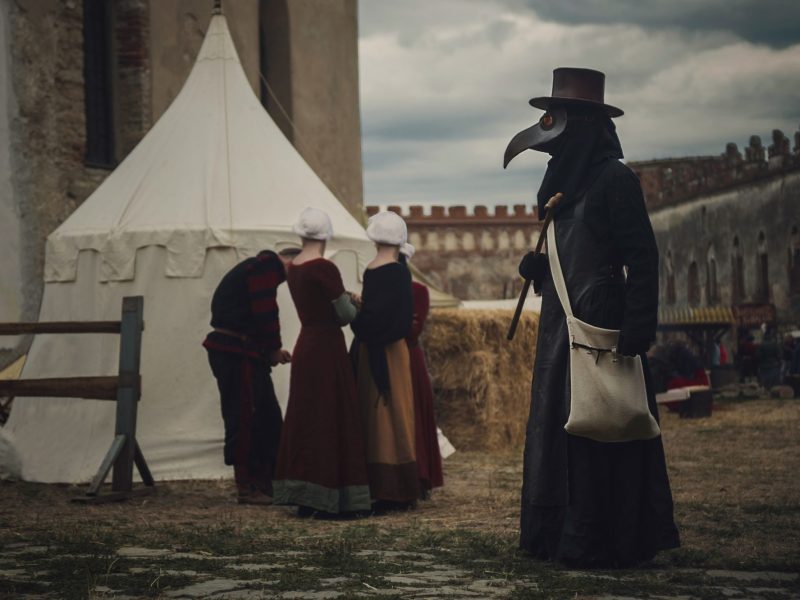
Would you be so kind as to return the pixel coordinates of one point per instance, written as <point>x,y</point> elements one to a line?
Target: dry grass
<point>734,479</point>
<point>481,400</point>
<point>735,482</point>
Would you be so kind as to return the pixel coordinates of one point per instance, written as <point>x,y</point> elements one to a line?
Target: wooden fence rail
<point>125,388</point>
<point>93,388</point>
<point>60,327</point>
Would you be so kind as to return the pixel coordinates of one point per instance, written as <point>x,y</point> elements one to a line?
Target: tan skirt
<point>389,427</point>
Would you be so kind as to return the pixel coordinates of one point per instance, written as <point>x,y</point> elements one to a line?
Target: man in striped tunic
<point>243,346</point>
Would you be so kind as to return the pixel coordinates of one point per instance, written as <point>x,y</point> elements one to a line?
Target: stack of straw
<point>481,381</point>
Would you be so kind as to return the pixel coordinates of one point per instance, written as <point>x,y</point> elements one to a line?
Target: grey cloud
<point>438,113</point>
<point>771,22</point>
<point>433,122</point>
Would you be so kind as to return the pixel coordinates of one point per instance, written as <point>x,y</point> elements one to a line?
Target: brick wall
<point>133,86</point>
<point>672,181</point>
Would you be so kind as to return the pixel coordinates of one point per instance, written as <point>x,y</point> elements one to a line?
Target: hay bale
<point>481,381</point>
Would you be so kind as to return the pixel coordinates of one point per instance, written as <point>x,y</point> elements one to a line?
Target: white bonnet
<point>313,224</point>
<point>387,227</point>
<point>408,250</point>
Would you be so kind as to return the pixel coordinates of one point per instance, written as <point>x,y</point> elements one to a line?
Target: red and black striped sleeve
<point>264,276</point>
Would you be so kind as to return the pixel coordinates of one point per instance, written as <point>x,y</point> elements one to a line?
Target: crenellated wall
<point>707,211</point>
<point>671,181</point>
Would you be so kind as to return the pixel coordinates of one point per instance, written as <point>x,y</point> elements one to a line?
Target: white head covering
<point>408,250</point>
<point>313,224</point>
<point>387,227</point>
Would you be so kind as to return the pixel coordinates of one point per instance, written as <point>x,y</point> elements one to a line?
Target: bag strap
<point>555,269</point>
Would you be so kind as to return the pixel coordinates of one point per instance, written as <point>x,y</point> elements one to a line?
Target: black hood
<point>578,155</point>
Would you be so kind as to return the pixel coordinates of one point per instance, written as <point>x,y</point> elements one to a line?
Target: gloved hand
<point>632,346</point>
<point>534,267</point>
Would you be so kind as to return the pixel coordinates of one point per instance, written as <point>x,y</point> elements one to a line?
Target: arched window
<point>693,285</point>
<point>487,241</point>
<point>711,277</point>
<point>670,287</point>
<point>98,65</point>
<point>503,241</point>
<point>737,273</point>
<point>468,241</point>
<point>519,240</point>
<point>794,263</point>
<point>762,270</point>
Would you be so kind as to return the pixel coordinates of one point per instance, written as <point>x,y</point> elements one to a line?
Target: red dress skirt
<point>321,461</point>
<point>429,458</point>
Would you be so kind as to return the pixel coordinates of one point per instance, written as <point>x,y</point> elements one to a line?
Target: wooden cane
<point>551,204</point>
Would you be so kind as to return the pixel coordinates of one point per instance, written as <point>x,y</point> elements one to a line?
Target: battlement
<point>451,216</point>
<point>671,181</point>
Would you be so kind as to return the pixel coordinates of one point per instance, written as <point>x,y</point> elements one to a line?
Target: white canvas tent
<point>212,182</point>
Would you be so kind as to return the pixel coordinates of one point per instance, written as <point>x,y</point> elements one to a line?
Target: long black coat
<point>587,502</point>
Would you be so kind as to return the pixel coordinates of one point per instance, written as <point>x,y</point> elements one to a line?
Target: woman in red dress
<point>429,458</point>
<point>321,461</point>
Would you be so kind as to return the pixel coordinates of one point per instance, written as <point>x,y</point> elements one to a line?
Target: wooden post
<point>130,346</point>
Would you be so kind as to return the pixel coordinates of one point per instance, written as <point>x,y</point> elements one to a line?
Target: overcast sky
<point>445,84</point>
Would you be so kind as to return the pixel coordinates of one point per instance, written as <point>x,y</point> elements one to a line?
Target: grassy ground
<point>734,480</point>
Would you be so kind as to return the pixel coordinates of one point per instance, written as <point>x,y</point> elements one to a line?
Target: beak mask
<point>539,137</point>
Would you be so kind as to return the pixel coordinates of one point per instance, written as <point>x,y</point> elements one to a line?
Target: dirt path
<point>737,506</point>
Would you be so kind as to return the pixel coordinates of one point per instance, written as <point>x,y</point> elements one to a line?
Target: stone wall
<point>310,57</point>
<point>10,268</point>
<point>753,229</point>
<point>672,181</point>
<point>177,30</point>
<point>471,254</point>
<point>47,137</point>
<point>133,112</point>
<point>153,45</point>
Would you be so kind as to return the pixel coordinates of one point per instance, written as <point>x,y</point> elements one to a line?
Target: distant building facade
<point>471,254</point>
<point>727,226</point>
<point>82,81</point>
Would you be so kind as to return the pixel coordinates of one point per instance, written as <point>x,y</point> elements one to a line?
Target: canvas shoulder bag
<point>608,397</point>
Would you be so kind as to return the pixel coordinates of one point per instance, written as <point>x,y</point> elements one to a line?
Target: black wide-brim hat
<point>573,86</point>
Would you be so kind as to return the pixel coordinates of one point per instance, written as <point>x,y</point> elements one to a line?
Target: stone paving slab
<point>18,549</point>
<point>257,567</point>
<point>320,595</point>
<point>209,588</point>
<point>395,554</point>
<point>753,575</point>
<point>136,552</point>
<point>411,575</point>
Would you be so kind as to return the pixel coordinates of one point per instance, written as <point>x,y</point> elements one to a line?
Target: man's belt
<point>231,333</point>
